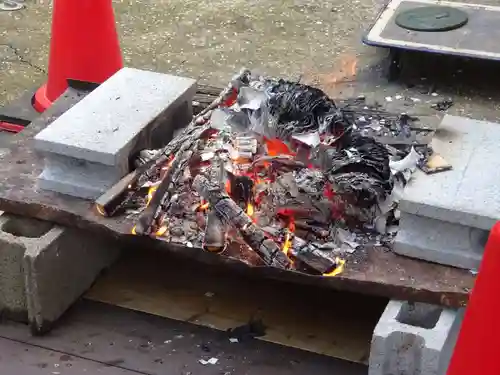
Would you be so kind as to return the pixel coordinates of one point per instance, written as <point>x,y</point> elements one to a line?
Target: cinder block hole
<point>26,227</point>
<point>420,315</point>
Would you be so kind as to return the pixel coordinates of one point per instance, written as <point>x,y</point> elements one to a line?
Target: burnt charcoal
<point>359,172</point>
<point>299,109</point>
<point>241,188</point>
<point>233,215</point>
<point>310,255</point>
<point>358,189</point>
<point>311,182</point>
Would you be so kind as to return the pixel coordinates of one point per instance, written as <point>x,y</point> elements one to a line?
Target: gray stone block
<point>440,242</point>
<point>414,339</point>
<point>46,267</point>
<point>468,194</point>
<point>14,238</point>
<point>77,177</point>
<point>88,147</point>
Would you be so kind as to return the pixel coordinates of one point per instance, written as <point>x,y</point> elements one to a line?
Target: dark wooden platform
<point>380,272</point>
<point>476,39</point>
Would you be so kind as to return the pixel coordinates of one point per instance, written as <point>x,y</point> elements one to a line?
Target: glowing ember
<point>203,206</point>
<point>275,147</point>
<point>133,231</point>
<point>160,232</point>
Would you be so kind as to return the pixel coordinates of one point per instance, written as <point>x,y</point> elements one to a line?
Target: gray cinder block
<point>468,194</point>
<point>414,339</point>
<point>46,267</point>
<point>440,242</point>
<point>87,149</point>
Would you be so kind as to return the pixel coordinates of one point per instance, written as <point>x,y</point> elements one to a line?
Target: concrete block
<point>440,242</point>
<point>414,339</point>
<point>47,267</point>
<point>77,177</point>
<point>94,140</point>
<point>468,194</point>
<point>13,241</point>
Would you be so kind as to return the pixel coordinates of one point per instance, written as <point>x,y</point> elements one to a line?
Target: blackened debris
<point>442,105</point>
<point>253,329</point>
<point>299,109</point>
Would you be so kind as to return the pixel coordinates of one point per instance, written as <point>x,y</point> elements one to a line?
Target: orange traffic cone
<point>84,46</point>
<point>479,339</point>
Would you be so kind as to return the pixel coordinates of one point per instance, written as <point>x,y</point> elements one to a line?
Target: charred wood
<point>320,261</point>
<point>233,215</point>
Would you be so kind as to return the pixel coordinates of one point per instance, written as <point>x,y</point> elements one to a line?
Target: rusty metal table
<point>379,272</point>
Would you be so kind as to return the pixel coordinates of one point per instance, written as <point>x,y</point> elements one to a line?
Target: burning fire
<point>289,233</point>
<point>346,71</point>
<point>151,193</point>
<point>250,209</point>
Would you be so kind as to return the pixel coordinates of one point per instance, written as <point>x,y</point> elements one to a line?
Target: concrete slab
<point>468,194</point>
<point>44,268</point>
<point>77,177</point>
<point>87,149</point>
<point>105,126</point>
<point>440,241</point>
<point>415,339</point>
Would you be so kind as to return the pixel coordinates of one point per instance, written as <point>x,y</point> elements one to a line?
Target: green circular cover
<point>432,18</point>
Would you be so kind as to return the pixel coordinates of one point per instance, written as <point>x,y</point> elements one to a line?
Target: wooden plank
<point>332,323</point>
<point>375,271</point>
<point>22,358</point>
<point>152,345</point>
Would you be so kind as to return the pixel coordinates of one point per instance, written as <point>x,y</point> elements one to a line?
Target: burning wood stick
<point>112,201</point>
<point>320,261</point>
<point>233,215</point>
<point>216,228</point>
<point>162,193</point>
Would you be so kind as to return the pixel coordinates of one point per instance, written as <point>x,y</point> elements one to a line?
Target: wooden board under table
<point>380,272</point>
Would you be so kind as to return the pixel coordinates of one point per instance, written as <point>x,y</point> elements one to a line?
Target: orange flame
<point>339,269</point>
<point>287,245</point>
<point>250,210</point>
<point>344,72</point>
<point>203,206</point>
<point>151,193</point>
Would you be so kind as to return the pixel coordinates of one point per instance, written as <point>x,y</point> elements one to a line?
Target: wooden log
<point>115,198</point>
<point>233,215</point>
<point>215,233</point>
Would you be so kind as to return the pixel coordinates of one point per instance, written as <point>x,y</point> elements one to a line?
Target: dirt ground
<point>318,41</point>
